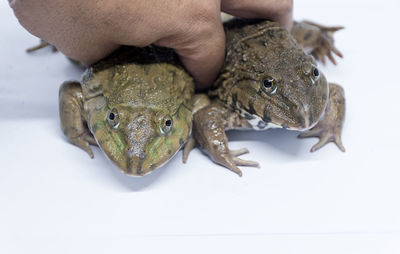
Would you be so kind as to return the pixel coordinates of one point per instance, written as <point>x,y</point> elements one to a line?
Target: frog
<point>136,105</point>
<point>269,81</point>
<point>104,109</point>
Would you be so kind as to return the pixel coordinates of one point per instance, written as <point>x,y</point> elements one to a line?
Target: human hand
<point>89,30</point>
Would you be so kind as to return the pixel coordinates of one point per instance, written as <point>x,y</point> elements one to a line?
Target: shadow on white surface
<point>284,141</point>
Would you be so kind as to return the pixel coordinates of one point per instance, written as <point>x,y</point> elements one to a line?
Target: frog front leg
<point>329,129</point>
<point>209,125</point>
<point>316,39</point>
<point>73,117</point>
<point>198,102</point>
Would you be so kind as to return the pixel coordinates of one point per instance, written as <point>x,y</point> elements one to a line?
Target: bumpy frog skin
<point>269,81</point>
<point>135,105</point>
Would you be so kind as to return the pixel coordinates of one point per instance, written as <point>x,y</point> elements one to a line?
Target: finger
<point>202,52</point>
<point>279,11</point>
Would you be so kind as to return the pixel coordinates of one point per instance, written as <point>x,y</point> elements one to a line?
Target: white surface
<point>55,199</point>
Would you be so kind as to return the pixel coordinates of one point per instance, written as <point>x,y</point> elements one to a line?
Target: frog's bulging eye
<point>316,72</point>
<point>113,118</point>
<point>269,85</point>
<point>166,125</point>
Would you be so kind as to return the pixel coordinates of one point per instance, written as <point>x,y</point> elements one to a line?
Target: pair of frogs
<point>140,107</point>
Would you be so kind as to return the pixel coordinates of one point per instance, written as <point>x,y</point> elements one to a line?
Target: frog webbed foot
<point>230,158</point>
<point>324,45</point>
<point>209,129</point>
<point>235,161</point>
<point>326,134</point>
<point>329,129</point>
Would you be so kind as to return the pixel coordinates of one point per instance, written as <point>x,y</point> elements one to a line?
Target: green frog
<point>136,105</point>
<point>268,81</point>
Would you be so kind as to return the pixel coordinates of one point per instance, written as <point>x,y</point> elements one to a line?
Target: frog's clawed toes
<point>326,46</point>
<point>247,163</point>
<point>325,50</point>
<point>231,161</point>
<point>239,152</point>
<point>325,136</point>
<point>84,141</point>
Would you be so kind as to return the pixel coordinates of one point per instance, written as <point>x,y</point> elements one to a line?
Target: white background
<point>55,199</point>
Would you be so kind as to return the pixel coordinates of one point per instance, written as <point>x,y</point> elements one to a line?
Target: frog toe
<point>239,152</point>
<point>331,58</point>
<point>325,48</point>
<point>231,161</point>
<point>190,144</point>
<point>309,134</point>
<point>227,161</point>
<point>232,166</point>
<point>84,141</point>
<point>43,44</point>
<point>338,141</point>
<point>324,138</point>
<point>247,163</point>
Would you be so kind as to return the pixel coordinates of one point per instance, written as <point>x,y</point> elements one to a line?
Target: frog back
<point>148,77</point>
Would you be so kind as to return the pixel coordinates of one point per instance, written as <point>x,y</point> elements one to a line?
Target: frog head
<point>135,138</point>
<point>272,82</point>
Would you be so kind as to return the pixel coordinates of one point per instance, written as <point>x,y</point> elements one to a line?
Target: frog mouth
<point>309,115</point>
<point>308,118</point>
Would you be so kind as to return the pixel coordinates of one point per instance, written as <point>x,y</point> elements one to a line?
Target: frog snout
<point>304,117</point>
<point>135,164</point>
<point>308,116</point>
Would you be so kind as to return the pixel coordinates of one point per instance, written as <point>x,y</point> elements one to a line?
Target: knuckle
<point>285,6</point>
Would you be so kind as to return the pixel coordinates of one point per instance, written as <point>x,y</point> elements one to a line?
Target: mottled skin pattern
<point>136,105</point>
<point>269,81</point>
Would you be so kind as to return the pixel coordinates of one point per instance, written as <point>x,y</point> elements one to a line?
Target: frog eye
<point>269,85</point>
<point>166,124</point>
<point>113,118</point>
<point>315,73</point>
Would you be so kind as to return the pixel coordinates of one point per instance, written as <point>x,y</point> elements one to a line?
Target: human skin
<point>89,30</point>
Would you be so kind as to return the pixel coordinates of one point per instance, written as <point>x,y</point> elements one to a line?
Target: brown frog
<point>268,81</point>
<point>136,105</point>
